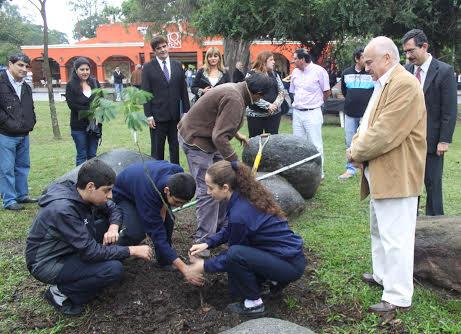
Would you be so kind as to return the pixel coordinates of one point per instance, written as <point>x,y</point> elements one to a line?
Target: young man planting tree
<point>71,244</point>
<point>145,192</point>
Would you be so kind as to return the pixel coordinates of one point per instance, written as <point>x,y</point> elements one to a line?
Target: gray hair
<point>385,45</point>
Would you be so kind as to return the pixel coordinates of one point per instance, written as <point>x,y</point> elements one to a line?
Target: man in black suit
<point>439,86</point>
<point>165,79</point>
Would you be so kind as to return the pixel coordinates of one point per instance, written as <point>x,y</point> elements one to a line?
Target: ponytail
<point>239,178</point>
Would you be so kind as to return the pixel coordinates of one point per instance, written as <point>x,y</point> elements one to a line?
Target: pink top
<point>308,86</point>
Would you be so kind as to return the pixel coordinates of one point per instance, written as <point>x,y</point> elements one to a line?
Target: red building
<point>125,46</point>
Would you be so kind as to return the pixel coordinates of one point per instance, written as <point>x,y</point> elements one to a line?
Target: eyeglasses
<point>410,50</point>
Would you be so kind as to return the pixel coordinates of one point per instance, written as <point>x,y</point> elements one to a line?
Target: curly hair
<point>240,179</point>
<point>261,60</point>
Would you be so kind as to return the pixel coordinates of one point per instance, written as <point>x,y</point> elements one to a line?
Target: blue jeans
<point>351,124</point>
<point>86,145</point>
<point>14,168</point>
<point>118,91</point>
<point>82,281</point>
<point>247,267</point>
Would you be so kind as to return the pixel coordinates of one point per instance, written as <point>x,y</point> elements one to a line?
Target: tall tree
<point>91,14</point>
<point>41,7</point>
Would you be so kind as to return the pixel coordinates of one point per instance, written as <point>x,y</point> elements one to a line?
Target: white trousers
<point>309,124</point>
<point>392,227</point>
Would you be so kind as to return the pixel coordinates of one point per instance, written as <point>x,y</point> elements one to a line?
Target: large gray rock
<point>268,326</point>
<point>438,251</point>
<point>283,150</point>
<point>118,159</point>
<point>286,196</point>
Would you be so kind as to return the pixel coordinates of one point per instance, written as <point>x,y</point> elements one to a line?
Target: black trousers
<point>82,281</point>
<point>132,230</point>
<point>248,267</point>
<point>162,131</point>
<point>258,125</point>
<point>433,183</point>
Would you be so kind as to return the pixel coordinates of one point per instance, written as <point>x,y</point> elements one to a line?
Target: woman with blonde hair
<point>262,248</point>
<point>265,114</point>
<point>212,74</point>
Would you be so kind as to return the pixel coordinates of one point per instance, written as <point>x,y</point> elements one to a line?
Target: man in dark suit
<point>439,86</point>
<point>165,79</point>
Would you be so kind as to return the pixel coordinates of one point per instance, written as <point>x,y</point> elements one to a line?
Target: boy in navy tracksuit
<point>71,244</point>
<point>261,245</point>
<point>144,211</point>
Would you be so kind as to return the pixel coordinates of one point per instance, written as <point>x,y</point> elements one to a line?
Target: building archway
<point>282,64</point>
<point>70,67</point>
<point>38,72</point>
<point>125,63</point>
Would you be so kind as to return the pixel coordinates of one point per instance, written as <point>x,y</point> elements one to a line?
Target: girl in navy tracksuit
<point>261,245</point>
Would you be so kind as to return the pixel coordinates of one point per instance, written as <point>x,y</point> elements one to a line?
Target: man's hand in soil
<point>197,248</point>
<point>194,272</point>
<point>143,252</point>
<point>192,277</point>
<point>111,236</point>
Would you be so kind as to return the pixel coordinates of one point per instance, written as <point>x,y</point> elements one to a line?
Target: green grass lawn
<point>334,225</point>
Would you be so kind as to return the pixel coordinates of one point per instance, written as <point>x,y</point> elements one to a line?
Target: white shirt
<point>168,66</point>
<point>424,69</point>
<point>379,84</point>
<point>17,85</point>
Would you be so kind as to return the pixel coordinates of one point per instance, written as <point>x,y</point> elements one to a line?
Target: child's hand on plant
<point>197,248</point>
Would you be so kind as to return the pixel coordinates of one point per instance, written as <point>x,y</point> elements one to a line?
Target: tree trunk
<point>234,51</point>
<point>48,77</point>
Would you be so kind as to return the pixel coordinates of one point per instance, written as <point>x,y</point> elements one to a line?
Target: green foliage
<point>16,30</point>
<point>103,109</point>
<point>334,226</point>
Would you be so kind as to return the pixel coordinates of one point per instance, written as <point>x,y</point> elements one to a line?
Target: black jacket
<point>118,77</point>
<point>168,95</point>
<point>441,105</point>
<point>201,82</point>
<point>65,226</point>
<point>238,76</point>
<point>17,116</point>
<point>79,103</point>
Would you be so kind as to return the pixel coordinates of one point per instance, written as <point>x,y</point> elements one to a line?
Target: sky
<point>58,15</point>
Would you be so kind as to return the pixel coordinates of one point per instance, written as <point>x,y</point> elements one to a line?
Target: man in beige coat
<point>391,146</point>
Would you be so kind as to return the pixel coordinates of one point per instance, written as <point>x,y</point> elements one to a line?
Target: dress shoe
<point>368,278</point>
<point>28,200</point>
<point>15,207</point>
<point>385,307</point>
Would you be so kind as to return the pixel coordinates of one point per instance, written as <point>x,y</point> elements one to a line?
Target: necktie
<point>165,71</point>
<point>418,74</point>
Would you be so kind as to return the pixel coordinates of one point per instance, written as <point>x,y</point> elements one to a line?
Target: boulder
<point>283,150</point>
<point>438,251</point>
<point>289,199</point>
<point>118,159</point>
<point>268,326</point>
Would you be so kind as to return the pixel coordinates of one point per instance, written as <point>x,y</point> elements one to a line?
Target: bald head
<point>380,55</point>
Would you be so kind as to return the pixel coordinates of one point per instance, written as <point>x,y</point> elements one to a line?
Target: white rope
<point>275,172</point>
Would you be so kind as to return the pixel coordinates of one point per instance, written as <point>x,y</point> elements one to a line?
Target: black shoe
<point>28,200</point>
<point>14,207</point>
<point>67,307</point>
<point>240,309</point>
<point>369,279</point>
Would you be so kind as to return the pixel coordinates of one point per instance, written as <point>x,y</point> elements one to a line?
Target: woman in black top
<point>265,114</point>
<point>211,75</point>
<point>86,133</point>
